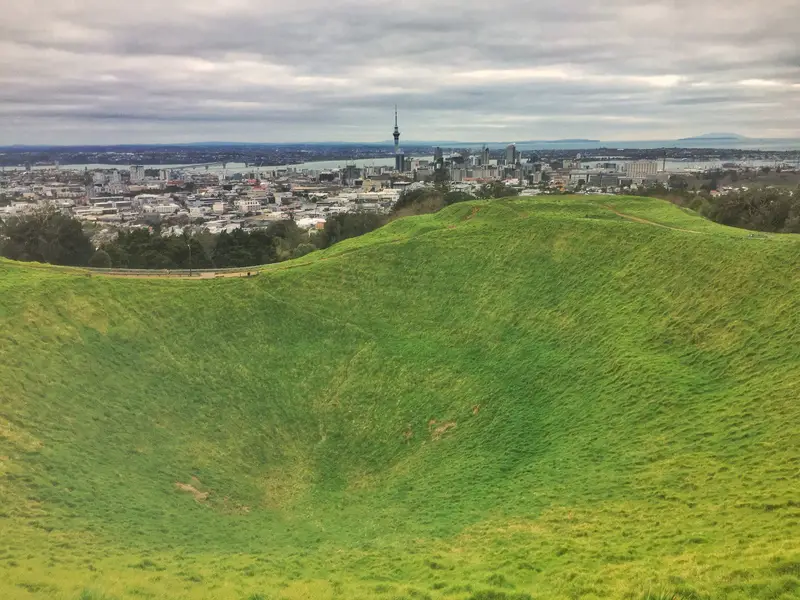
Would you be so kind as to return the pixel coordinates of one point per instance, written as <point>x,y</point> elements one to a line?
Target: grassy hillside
<point>535,398</point>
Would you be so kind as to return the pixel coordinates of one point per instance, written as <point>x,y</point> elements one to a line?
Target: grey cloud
<point>314,69</point>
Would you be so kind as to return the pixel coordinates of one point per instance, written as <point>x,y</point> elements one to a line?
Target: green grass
<point>505,400</point>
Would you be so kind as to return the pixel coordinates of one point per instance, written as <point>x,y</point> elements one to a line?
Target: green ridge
<point>528,398</point>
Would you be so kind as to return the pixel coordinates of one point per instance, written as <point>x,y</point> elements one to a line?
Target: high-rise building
<point>511,154</point>
<point>350,173</point>
<point>485,157</point>
<point>137,173</point>
<point>438,159</point>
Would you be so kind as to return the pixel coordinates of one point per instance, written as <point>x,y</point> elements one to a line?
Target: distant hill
<point>731,137</point>
<point>565,141</point>
<point>451,143</point>
<point>553,398</point>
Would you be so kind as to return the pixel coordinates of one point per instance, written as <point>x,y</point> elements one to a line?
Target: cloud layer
<point>106,71</point>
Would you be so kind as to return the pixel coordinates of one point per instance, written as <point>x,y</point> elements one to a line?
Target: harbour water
<point>672,166</point>
<point>232,168</point>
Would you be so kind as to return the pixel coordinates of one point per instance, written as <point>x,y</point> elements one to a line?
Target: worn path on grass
<point>161,275</point>
<point>646,222</point>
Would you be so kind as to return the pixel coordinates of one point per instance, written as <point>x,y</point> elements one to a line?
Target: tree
<point>346,225</point>
<point>456,197</point>
<point>100,260</point>
<point>243,249</point>
<point>45,236</point>
<point>441,179</point>
<point>208,242</point>
<point>302,250</point>
<point>677,182</point>
<point>496,189</point>
<point>144,249</point>
<point>412,199</point>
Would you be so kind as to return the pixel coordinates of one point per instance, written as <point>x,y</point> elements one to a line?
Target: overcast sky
<point>108,71</point>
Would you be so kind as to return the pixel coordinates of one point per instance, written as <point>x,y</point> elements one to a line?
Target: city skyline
<point>98,72</point>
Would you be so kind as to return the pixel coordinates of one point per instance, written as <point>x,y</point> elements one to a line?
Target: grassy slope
<point>532,396</point>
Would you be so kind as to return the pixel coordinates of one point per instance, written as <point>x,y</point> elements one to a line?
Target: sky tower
<point>396,133</point>
<point>399,157</point>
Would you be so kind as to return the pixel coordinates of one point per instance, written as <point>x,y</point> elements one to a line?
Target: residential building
<point>137,173</point>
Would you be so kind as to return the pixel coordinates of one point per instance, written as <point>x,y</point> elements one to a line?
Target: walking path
<point>646,222</point>
<point>201,275</point>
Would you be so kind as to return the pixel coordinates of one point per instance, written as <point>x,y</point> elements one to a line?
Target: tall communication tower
<point>399,157</point>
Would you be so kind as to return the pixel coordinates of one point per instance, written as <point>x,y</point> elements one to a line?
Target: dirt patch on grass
<point>439,431</point>
<point>185,487</point>
<point>473,212</point>
<point>232,507</point>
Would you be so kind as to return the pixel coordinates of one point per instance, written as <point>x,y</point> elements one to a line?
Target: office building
<point>511,154</point>
<point>640,170</point>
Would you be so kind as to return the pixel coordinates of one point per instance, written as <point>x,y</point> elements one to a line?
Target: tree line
<point>774,210</point>
<point>50,236</point>
<point>428,200</point>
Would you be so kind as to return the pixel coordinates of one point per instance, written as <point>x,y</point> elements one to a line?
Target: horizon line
<point>700,138</point>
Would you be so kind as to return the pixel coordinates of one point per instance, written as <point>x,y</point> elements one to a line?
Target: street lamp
<point>189,246</point>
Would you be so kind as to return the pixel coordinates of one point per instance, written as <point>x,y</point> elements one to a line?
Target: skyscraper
<point>438,159</point>
<point>511,154</point>
<point>484,157</point>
